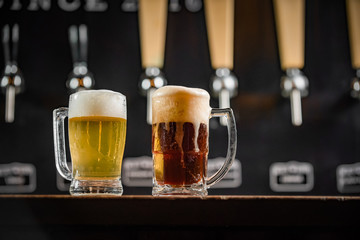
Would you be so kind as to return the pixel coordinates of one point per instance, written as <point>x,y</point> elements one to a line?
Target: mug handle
<point>232,143</point>
<point>59,142</point>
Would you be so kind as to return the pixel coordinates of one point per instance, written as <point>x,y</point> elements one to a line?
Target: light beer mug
<point>180,130</point>
<point>97,131</point>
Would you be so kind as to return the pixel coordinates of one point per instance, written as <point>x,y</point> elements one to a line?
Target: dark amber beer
<point>180,139</point>
<point>180,163</point>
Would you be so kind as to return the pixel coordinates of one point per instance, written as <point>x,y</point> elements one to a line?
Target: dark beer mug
<point>180,131</point>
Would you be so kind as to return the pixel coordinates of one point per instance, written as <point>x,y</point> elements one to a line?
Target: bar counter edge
<point>210,211</point>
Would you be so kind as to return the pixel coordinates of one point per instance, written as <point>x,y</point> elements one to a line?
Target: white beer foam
<point>97,103</point>
<point>180,104</point>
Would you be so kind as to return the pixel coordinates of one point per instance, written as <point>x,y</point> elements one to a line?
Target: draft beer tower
<point>353,14</point>
<point>219,15</point>
<point>152,24</point>
<point>290,28</point>
<point>12,81</point>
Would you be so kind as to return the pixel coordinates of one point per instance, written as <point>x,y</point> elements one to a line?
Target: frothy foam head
<point>180,104</point>
<point>97,103</point>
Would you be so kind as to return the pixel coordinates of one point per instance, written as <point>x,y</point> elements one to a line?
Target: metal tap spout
<point>295,85</point>
<point>224,85</point>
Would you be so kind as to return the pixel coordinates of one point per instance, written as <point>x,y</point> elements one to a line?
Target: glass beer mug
<point>97,131</point>
<point>180,130</point>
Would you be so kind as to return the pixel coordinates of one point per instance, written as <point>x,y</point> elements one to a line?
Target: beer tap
<point>12,81</point>
<point>353,15</point>
<point>220,28</point>
<point>152,24</point>
<point>295,85</point>
<point>80,77</point>
<point>290,26</point>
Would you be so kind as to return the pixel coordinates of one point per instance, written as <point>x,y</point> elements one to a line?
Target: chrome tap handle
<point>15,42</point>
<point>151,79</point>
<point>5,42</point>
<point>83,41</point>
<point>73,40</point>
<point>224,85</point>
<point>12,82</point>
<point>80,78</point>
<point>78,39</point>
<point>295,85</point>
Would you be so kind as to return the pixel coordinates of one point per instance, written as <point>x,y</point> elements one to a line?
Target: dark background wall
<point>329,137</point>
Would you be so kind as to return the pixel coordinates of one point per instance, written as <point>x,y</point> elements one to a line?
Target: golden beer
<point>97,132</point>
<point>97,146</point>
